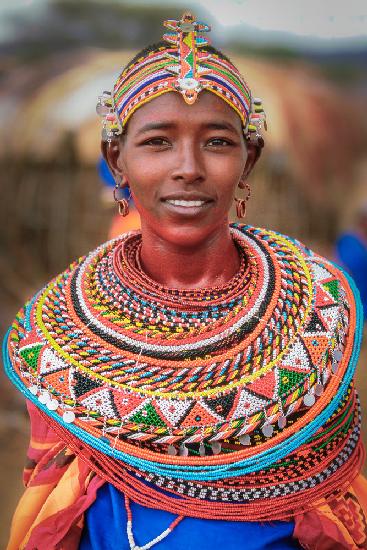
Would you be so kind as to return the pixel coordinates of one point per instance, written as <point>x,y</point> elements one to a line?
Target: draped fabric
<point>60,488</point>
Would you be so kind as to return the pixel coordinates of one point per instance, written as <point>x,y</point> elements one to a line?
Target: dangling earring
<point>241,203</point>
<point>118,195</point>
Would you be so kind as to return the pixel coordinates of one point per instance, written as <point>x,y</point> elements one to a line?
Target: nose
<point>189,165</point>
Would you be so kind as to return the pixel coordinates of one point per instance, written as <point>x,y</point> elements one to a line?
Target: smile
<point>186,203</point>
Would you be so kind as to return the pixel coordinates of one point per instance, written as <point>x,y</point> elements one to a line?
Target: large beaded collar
<point>127,365</point>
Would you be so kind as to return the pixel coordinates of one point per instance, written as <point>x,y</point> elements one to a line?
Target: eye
<point>157,142</point>
<point>219,142</point>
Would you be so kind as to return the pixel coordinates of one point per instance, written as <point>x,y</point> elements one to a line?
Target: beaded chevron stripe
<point>200,385</point>
<point>289,486</point>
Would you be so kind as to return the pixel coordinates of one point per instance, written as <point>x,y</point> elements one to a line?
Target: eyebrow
<point>155,126</point>
<point>217,125</point>
<point>220,125</point>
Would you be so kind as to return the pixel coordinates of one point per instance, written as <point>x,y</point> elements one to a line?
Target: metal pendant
<point>52,404</point>
<point>216,447</point>
<point>244,439</point>
<point>267,430</point>
<point>334,367</point>
<point>319,389</point>
<point>282,421</point>
<point>33,389</point>
<point>184,451</point>
<point>309,399</point>
<point>171,450</point>
<point>337,355</point>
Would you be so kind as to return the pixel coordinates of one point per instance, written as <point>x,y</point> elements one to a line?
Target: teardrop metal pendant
<point>267,430</point>
<point>282,421</point>
<point>319,389</point>
<point>184,451</point>
<point>337,355</point>
<point>245,439</point>
<point>334,367</point>
<point>171,450</point>
<point>216,447</point>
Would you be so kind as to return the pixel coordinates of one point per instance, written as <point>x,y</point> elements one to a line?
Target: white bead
<point>68,417</point>
<point>44,397</point>
<point>33,389</point>
<point>52,404</point>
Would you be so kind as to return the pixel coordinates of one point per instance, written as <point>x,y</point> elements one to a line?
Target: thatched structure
<point>51,208</point>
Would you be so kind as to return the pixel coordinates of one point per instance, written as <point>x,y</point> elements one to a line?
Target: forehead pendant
<point>187,58</point>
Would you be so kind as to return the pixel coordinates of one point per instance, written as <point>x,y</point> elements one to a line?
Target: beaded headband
<point>183,66</point>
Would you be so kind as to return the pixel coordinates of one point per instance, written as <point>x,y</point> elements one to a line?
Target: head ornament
<point>184,65</point>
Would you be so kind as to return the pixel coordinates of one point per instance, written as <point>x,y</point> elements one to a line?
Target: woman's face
<point>183,164</point>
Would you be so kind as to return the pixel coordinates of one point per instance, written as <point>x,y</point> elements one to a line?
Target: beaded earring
<point>241,203</point>
<point>118,195</point>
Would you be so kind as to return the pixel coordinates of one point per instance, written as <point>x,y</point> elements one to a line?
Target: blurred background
<point>306,60</point>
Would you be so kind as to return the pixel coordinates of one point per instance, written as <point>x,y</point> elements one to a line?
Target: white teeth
<point>185,203</point>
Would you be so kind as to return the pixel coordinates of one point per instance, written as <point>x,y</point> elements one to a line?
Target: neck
<point>191,266</point>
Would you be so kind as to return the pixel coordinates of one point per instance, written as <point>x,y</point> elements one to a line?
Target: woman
<point>196,377</point>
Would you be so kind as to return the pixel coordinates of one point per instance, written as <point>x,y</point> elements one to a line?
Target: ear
<point>111,154</point>
<point>253,154</point>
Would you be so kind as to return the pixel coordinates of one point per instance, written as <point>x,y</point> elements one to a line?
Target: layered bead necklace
<point>204,394</point>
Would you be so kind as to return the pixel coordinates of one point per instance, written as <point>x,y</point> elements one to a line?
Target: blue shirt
<point>352,254</point>
<point>105,529</point>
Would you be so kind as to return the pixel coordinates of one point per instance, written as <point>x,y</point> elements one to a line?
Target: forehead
<point>171,107</point>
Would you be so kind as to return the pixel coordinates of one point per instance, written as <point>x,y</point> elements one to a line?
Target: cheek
<point>227,172</point>
<point>145,201</point>
<point>142,177</point>
<point>140,198</point>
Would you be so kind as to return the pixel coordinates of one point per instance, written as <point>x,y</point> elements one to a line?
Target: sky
<point>312,18</point>
<point>306,19</point>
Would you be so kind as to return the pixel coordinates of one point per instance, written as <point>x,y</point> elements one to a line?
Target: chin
<point>188,235</point>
